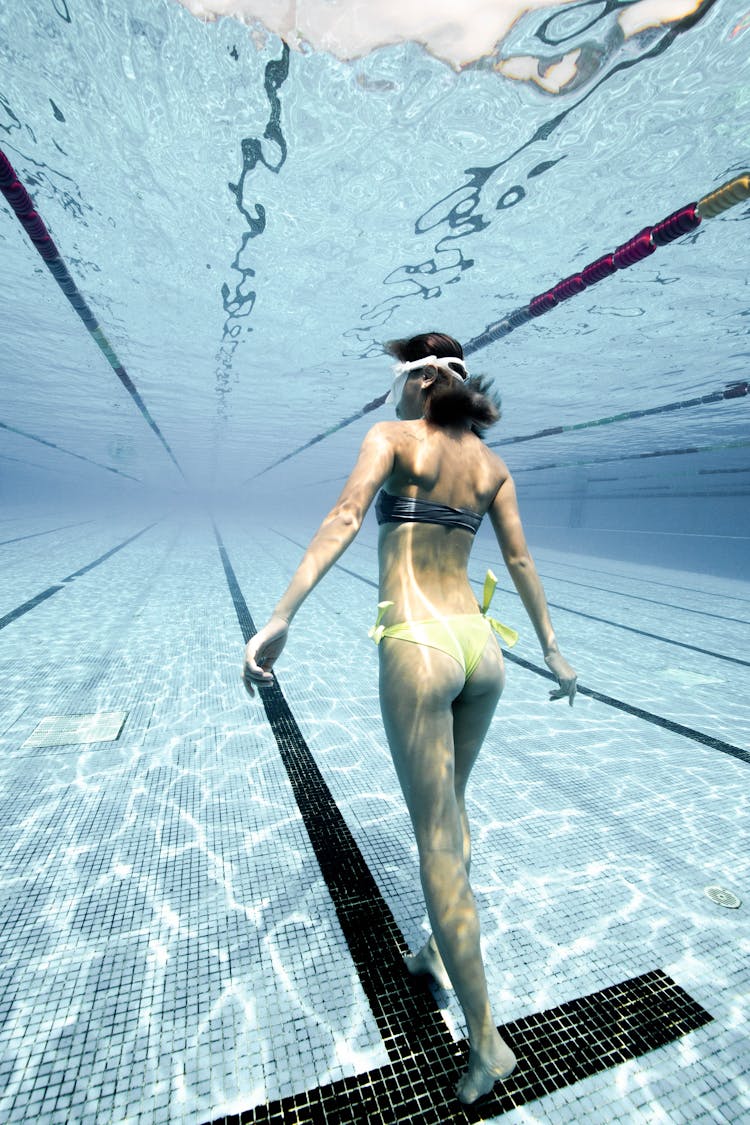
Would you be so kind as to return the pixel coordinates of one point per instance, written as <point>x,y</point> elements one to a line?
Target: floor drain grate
<point>722,897</point>
<point>60,730</point>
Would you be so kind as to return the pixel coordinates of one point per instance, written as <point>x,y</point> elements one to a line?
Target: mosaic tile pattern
<point>556,1048</point>
<point>32,603</point>
<point>569,1044</point>
<point>171,952</point>
<point>639,712</point>
<point>620,787</point>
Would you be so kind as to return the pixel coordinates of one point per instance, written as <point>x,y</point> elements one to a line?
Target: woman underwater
<point>441,669</point>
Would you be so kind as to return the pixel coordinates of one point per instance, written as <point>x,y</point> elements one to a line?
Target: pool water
<point>206,896</point>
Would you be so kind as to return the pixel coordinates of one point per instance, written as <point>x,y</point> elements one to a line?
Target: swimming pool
<point>205,904</point>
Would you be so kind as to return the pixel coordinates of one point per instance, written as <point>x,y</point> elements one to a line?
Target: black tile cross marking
<point>555,1048</point>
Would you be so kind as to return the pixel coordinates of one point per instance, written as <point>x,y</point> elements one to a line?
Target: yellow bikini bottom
<point>462,636</point>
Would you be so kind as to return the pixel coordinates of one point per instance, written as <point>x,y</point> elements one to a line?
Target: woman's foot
<point>428,961</point>
<point>482,1074</point>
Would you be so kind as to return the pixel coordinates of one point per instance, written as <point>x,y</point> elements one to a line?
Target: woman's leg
<point>418,687</point>
<point>472,714</point>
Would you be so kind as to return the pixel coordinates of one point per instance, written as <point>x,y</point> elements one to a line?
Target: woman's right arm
<point>373,467</point>
<point>506,521</point>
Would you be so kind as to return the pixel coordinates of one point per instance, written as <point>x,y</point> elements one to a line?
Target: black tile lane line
<point>21,609</point>
<point>556,1048</point>
<point>696,736</point>
<point>651,636</point>
<point>31,604</point>
<point>644,632</point>
<point>108,554</point>
<point>650,601</point>
<point>640,713</point>
<point>37,534</point>
<point>649,581</point>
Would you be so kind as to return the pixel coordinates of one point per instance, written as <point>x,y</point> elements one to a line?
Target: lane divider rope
<point>738,388</point>
<point>682,221</point>
<point>23,207</point>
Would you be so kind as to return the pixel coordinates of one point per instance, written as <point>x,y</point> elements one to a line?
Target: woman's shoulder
<point>496,472</point>
<point>501,472</point>
<point>387,440</point>
<point>496,461</point>
<point>394,432</point>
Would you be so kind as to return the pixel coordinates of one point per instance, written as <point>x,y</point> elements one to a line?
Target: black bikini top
<point>408,509</point>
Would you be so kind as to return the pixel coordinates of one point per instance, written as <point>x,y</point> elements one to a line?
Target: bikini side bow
<point>376,631</point>
<point>510,636</point>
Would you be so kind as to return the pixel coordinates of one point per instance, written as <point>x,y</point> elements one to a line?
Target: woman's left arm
<point>374,466</point>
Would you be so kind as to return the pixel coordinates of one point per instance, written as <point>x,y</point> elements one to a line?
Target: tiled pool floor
<point>206,916</point>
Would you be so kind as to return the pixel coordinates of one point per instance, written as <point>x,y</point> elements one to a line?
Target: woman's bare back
<point>451,467</point>
<point>422,565</point>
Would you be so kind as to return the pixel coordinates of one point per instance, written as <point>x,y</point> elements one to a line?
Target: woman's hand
<point>564,675</point>
<point>262,651</point>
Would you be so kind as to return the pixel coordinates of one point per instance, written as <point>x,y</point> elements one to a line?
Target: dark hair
<point>450,402</point>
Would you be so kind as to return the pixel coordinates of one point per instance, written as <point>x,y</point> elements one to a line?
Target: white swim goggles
<point>401,373</point>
